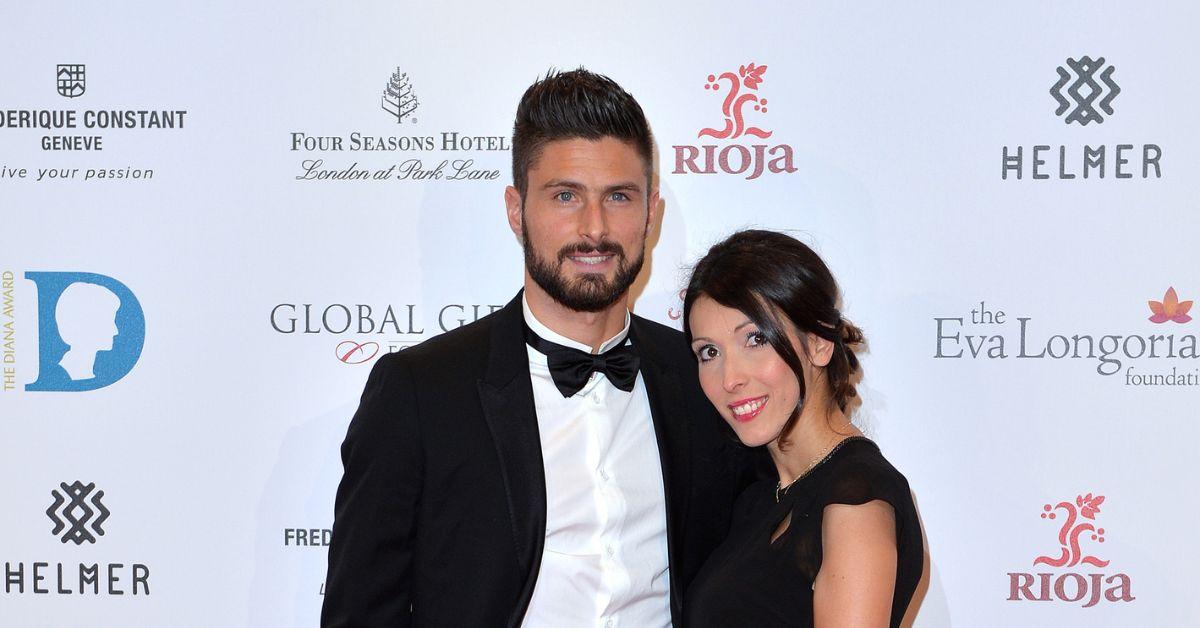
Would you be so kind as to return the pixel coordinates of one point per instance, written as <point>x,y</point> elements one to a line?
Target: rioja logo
<point>72,506</point>
<point>1078,524</point>
<point>398,97</point>
<point>1085,69</point>
<point>71,80</point>
<point>741,96</point>
<point>748,76</point>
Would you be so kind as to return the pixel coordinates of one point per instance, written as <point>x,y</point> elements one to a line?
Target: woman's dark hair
<point>767,276</point>
<point>575,104</point>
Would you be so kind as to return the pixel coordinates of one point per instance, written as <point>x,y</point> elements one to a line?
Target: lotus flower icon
<point>1170,309</point>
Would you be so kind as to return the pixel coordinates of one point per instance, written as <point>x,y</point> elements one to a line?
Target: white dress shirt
<point>605,559</point>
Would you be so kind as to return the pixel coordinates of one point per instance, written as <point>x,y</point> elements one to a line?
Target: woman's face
<point>742,375</point>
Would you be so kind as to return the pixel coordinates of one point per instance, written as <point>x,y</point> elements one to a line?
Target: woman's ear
<point>820,350</point>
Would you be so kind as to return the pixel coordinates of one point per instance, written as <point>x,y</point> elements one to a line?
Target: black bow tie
<point>571,368</point>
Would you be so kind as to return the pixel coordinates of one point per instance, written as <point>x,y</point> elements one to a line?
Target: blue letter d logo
<point>90,328</point>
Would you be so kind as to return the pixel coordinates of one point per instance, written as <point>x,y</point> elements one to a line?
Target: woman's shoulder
<point>860,473</point>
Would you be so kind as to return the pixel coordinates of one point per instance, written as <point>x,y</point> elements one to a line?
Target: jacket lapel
<point>506,396</point>
<point>668,409</point>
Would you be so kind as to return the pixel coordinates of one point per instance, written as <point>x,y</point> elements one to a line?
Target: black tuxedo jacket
<point>440,517</point>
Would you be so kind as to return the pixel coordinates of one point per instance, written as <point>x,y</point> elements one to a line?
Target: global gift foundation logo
<point>1083,94</point>
<point>742,109</point>
<point>72,79</point>
<point>78,514</point>
<point>1084,109</point>
<point>987,332</point>
<point>1060,578</point>
<point>78,505</point>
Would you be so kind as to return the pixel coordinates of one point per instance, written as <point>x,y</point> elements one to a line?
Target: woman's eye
<point>756,338</point>
<point>706,353</point>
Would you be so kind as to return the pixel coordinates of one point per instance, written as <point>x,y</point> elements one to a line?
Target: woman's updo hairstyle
<point>764,274</point>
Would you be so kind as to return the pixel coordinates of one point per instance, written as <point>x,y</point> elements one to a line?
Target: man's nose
<point>593,222</point>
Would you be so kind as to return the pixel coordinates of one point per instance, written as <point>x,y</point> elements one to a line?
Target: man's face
<point>583,220</point>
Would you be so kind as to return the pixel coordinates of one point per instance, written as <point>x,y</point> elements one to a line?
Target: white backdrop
<point>213,432</point>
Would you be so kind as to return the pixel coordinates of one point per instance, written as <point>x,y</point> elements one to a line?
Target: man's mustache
<point>605,247</point>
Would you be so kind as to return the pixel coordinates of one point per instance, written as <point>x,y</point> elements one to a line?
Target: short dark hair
<point>575,104</point>
<point>766,275</point>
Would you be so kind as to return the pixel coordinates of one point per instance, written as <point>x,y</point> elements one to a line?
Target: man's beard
<point>590,292</point>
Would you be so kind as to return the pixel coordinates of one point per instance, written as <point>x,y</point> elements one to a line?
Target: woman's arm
<point>858,566</point>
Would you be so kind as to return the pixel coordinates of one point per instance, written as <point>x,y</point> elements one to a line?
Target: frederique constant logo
<point>71,79</point>
<point>398,97</point>
<point>1085,90</point>
<point>741,109</point>
<point>1084,93</point>
<point>1079,537</point>
<point>80,506</point>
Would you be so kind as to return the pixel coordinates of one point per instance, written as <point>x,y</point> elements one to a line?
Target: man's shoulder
<point>456,348</point>
<point>668,340</point>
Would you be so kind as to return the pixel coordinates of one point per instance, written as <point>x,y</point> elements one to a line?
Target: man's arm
<point>371,552</point>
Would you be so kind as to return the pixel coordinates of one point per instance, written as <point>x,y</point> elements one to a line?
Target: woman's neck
<point>819,428</point>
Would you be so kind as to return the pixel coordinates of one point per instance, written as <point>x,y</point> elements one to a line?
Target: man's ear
<point>820,350</point>
<point>654,207</point>
<point>512,200</point>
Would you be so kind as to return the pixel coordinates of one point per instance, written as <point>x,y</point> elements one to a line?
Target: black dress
<point>751,581</point>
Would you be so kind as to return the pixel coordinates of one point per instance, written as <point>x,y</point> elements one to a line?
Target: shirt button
<point>596,398</point>
<point>610,623</point>
<point>603,475</point>
<point>611,551</point>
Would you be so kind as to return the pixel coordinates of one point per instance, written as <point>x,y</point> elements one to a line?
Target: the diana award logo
<point>398,97</point>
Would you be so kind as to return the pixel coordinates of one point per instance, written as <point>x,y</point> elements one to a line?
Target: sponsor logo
<point>90,331</point>
<point>987,332</point>
<point>78,510</point>
<point>741,100</point>
<point>1170,309</point>
<point>1084,93</point>
<point>373,329</point>
<point>8,330</point>
<point>1059,578</point>
<point>440,156</point>
<point>72,79</point>
<point>307,537</point>
<point>398,97</point>
<point>1083,111</point>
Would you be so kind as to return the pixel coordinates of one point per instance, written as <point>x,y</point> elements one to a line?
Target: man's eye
<point>620,196</point>
<point>564,196</point>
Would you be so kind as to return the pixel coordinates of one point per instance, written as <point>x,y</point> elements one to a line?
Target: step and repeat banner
<point>214,219</point>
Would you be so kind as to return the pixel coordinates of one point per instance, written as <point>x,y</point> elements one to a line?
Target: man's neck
<point>589,328</point>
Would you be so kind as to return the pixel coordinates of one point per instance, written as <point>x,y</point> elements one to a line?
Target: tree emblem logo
<point>71,80</point>
<point>1085,69</point>
<point>71,506</point>
<point>398,97</point>
<point>741,90</point>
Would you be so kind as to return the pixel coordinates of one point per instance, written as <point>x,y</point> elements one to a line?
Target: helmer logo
<point>741,93</point>
<point>1069,586</point>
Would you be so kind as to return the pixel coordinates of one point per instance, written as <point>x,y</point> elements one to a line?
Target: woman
<point>835,540</point>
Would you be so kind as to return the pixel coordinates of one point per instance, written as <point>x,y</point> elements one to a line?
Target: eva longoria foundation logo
<point>398,97</point>
<point>1170,309</point>
<point>1078,538</point>
<point>79,505</point>
<point>1083,112</point>
<point>72,80</point>
<point>987,332</point>
<point>741,98</point>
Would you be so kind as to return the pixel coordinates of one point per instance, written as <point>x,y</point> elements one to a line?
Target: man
<point>554,463</point>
